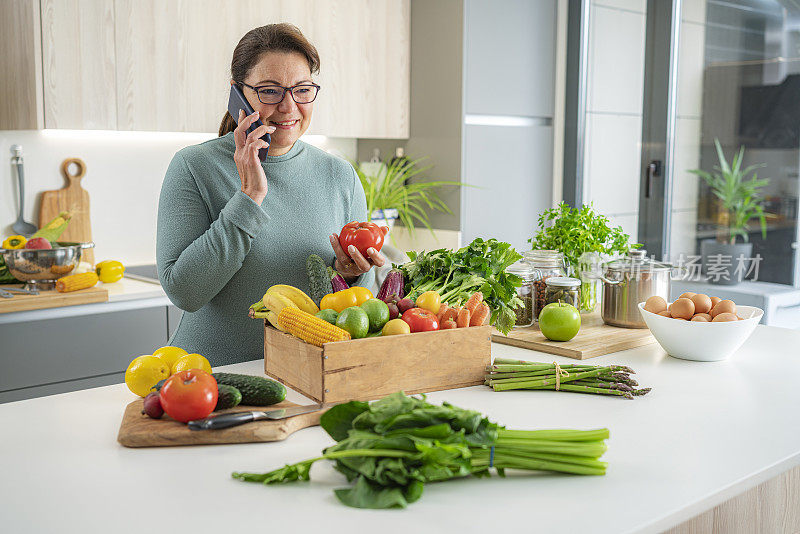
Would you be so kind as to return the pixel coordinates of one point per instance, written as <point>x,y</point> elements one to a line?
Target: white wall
<point>123,178</point>
<point>614,110</point>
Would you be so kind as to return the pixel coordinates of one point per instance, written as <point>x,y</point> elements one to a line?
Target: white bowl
<point>700,341</point>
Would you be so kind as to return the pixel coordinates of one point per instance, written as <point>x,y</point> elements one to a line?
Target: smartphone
<point>237,101</point>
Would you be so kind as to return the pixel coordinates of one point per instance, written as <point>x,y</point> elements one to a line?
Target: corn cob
<point>310,329</point>
<point>75,282</point>
<point>53,230</point>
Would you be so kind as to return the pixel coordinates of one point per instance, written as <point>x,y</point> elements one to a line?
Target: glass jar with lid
<point>545,264</point>
<point>563,289</point>
<point>524,292</point>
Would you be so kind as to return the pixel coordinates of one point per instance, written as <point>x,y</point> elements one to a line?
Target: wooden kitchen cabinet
<point>164,66</point>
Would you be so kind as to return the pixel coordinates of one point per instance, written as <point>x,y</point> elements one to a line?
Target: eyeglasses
<point>273,94</point>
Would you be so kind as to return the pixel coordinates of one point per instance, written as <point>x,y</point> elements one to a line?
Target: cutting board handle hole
<point>73,168</point>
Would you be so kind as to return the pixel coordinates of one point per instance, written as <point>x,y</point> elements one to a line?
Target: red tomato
<point>420,320</point>
<point>361,235</point>
<point>189,395</point>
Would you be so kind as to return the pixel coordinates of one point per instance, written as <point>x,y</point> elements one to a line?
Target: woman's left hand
<point>351,263</point>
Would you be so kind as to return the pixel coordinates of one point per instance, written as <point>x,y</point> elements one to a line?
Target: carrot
<point>480,315</point>
<point>475,299</point>
<point>442,310</point>
<point>447,324</point>
<point>463,318</point>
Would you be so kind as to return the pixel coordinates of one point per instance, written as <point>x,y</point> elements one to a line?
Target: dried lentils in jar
<point>546,264</point>
<point>524,292</point>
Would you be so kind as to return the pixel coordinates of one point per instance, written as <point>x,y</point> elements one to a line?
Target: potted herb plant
<point>740,200</point>
<point>582,236</point>
<point>392,195</point>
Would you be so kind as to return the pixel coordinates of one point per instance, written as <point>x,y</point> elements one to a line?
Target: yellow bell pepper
<point>109,271</point>
<point>14,242</point>
<point>339,301</point>
<point>362,294</point>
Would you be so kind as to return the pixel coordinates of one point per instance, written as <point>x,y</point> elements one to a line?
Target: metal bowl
<point>40,268</point>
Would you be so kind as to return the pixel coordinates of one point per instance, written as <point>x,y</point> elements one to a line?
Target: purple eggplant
<point>392,286</point>
<point>338,283</point>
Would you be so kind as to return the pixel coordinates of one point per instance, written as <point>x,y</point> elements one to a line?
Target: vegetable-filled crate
<point>373,367</point>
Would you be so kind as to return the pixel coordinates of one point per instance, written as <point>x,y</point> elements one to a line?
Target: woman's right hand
<point>248,165</point>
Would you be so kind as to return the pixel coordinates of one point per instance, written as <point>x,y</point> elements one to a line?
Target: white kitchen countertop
<point>707,431</point>
<point>126,294</point>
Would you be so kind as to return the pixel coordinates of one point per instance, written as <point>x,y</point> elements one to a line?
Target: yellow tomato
<point>362,294</point>
<point>192,361</point>
<point>340,300</point>
<point>395,327</point>
<point>170,355</point>
<point>430,300</point>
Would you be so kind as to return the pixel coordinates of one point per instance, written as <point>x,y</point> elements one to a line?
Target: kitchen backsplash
<point>124,171</point>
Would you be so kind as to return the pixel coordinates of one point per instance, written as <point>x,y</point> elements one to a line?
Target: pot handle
<point>589,275</point>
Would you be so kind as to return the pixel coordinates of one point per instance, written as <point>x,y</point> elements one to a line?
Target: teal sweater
<point>218,251</point>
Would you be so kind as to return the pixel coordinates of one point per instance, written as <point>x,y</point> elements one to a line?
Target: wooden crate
<point>371,368</point>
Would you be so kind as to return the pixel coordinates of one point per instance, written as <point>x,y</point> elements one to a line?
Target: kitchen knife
<point>228,420</point>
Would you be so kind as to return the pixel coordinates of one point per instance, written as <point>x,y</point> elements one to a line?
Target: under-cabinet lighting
<point>506,120</point>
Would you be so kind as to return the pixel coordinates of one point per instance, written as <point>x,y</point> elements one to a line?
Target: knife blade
<point>228,420</point>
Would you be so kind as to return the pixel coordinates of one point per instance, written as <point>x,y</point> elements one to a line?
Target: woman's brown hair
<point>283,37</point>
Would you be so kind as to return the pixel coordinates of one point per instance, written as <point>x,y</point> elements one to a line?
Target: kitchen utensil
<point>629,281</point>
<point>21,291</point>
<point>40,268</point>
<point>595,338</point>
<point>700,341</point>
<point>20,226</point>
<point>227,420</point>
<point>138,430</point>
<point>72,198</point>
<point>50,299</point>
<point>5,294</point>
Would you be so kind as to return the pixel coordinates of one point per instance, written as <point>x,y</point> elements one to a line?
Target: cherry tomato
<point>430,300</point>
<point>361,235</point>
<point>420,320</point>
<point>189,395</point>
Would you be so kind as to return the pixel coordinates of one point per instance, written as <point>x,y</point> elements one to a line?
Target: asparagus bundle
<point>507,374</point>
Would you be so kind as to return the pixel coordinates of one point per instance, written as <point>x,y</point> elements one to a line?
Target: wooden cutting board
<point>72,198</point>
<point>594,339</point>
<point>139,430</point>
<point>51,299</point>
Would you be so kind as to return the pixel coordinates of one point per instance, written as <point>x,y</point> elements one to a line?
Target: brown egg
<point>723,306</point>
<point>665,313</point>
<point>701,317</point>
<point>687,295</point>
<point>702,303</point>
<point>714,301</point>
<point>682,308</point>
<point>655,304</point>
<point>724,317</point>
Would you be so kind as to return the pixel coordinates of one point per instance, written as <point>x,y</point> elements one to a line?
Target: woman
<point>230,226</point>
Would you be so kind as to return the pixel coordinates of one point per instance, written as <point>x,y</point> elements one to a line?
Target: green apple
<point>559,321</point>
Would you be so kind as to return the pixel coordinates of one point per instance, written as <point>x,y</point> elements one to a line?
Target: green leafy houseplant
<point>574,232</point>
<point>392,190</point>
<point>741,199</point>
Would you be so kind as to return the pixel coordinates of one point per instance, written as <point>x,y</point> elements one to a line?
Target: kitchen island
<point>706,433</point>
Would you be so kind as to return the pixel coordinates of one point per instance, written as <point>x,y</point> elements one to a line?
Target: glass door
<point>738,84</point>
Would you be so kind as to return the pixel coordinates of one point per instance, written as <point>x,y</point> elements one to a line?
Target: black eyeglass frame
<point>290,90</point>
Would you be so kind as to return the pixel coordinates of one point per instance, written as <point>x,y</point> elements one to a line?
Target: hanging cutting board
<point>72,198</point>
<point>595,338</point>
<point>139,430</point>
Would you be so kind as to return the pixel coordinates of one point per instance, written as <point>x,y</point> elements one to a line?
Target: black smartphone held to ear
<point>237,101</point>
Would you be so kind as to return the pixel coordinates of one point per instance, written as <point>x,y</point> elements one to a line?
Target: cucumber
<point>255,390</point>
<point>318,279</point>
<point>228,397</point>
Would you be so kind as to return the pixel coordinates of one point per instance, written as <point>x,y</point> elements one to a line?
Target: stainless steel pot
<point>629,281</point>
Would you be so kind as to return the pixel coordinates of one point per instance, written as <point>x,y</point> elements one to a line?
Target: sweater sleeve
<point>358,212</point>
<point>196,256</point>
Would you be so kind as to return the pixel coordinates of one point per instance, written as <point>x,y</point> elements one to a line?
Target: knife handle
<point>226,420</point>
